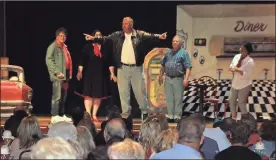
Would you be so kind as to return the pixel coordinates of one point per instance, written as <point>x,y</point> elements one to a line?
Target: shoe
<point>170,120</point>
<point>95,119</point>
<point>144,116</point>
<point>176,120</point>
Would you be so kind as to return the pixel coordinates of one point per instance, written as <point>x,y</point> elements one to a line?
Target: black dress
<point>96,73</point>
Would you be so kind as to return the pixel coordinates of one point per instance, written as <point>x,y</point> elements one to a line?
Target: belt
<point>175,76</point>
<point>129,65</point>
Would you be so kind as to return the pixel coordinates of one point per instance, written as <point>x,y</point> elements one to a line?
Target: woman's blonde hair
<point>165,140</point>
<point>150,129</point>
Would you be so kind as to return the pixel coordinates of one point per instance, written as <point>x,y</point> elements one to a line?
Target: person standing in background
<point>128,55</point>
<point>96,76</point>
<point>177,66</point>
<point>59,64</point>
<point>242,66</point>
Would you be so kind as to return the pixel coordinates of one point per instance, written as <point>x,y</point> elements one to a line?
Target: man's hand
<point>185,82</point>
<point>60,76</point>
<point>163,36</point>
<point>88,37</point>
<point>79,76</point>
<point>160,80</point>
<point>113,77</point>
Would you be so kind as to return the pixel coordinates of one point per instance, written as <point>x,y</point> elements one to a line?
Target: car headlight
<point>30,95</point>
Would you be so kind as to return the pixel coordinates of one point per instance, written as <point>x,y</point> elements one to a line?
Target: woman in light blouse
<point>242,66</point>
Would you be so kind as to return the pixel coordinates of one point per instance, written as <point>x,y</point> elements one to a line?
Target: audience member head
<point>85,139</point>
<point>115,127</point>
<point>268,131</point>
<point>199,117</point>
<point>126,149</point>
<point>150,129</point>
<point>7,137</point>
<point>190,132</point>
<point>53,148</point>
<point>61,35</point>
<point>86,121</point>
<point>65,130</point>
<point>127,24</point>
<point>239,133</point>
<point>163,121</point>
<point>177,42</point>
<point>226,124</point>
<point>113,112</point>
<point>165,140</point>
<point>250,120</point>
<point>28,132</point>
<point>99,153</point>
<point>79,151</point>
<point>14,121</point>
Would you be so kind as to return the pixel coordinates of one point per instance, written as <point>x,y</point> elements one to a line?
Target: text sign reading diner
<point>242,26</point>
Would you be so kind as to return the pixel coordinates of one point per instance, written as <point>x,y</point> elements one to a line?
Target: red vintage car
<point>15,94</point>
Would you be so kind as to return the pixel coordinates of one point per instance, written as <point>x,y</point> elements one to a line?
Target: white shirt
<point>219,136</point>
<point>241,81</point>
<point>128,55</point>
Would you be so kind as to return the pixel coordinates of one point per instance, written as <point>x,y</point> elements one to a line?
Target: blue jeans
<point>132,76</point>
<point>174,90</point>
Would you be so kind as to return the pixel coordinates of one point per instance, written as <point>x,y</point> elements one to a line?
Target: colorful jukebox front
<point>152,66</point>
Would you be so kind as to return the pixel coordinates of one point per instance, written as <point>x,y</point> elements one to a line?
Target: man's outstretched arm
<point>102,39</point>
<point>150,36</point>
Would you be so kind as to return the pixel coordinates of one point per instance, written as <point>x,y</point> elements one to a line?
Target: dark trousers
<point>59,97</point>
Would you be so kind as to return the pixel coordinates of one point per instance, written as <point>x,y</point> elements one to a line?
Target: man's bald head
<point>127,24</point>
<point>114,128</point>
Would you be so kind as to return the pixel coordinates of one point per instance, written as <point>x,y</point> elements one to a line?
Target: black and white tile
<point>261,99</point>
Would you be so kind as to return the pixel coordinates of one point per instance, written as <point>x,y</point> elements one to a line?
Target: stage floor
<point>45,120</point>
<point>261,99</point>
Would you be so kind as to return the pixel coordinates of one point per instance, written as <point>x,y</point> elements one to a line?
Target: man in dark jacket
<point>128,55</point>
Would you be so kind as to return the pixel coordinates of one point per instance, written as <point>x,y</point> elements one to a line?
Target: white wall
<point>185,23</point>
<point>208,27</point>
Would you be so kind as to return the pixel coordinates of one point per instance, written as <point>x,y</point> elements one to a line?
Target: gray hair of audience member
<point>28,132</point>
<point>115,127</point>
<point>190,130</point>
<point>226,124</point>
<point>165,140</point>
<point>79,150</point>
<point>163,121</point>
<point>86,121</point>
<point>65,130</point>
<point>86,140</point>
<point>200,118</point>
<point>240,133</point>
<point>126,149</point>
<point>53,148</point>
<point>149,131</point>
<point>251,121</point>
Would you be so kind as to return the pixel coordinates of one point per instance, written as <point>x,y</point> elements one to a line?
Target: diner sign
<point>242,26</point>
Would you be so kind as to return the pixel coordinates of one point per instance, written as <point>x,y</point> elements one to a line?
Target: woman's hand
<point>79,76</point>
<point>113,78</point>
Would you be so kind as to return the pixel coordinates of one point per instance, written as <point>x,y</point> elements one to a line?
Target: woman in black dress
<point>96,75</point>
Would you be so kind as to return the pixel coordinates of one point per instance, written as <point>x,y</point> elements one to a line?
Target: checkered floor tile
<point>261,99</point>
